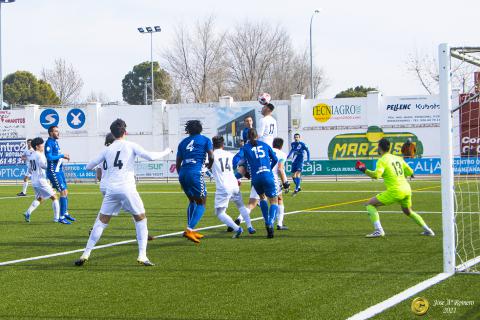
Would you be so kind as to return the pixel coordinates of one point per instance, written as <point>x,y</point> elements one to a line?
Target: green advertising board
<point>330,167</point>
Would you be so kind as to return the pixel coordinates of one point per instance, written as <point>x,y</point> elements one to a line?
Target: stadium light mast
<point>312,93</point>
<point>1,74</point>
<point>151,31</point>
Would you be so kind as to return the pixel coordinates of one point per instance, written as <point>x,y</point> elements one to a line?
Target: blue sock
<point>197,215</point>
<point>264,208</point>
<point>238,175</point>
<point>272,214</point>
<point>63,207</point>
<point>295,180</point>
<point>190,210</point>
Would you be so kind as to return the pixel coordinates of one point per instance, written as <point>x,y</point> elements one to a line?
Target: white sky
<point>356,42</point>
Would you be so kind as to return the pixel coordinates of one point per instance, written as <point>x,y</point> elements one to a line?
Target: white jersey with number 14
<point>222,170</point>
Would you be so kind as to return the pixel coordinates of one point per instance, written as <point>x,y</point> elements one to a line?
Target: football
<point>264,98</point>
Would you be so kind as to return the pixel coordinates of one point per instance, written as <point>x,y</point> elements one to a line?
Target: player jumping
<point>25,156</point>
<point>297,149</point>
<point>227,188</point>
<point>37,165</point>
<point>393,170</point>
<point>121,191</point>
<point>261,159</point>
<point>190,160</point>
<point>55,172</point>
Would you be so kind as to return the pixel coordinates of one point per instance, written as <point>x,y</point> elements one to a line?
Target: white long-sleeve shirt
<point>267,129</point>
<point>118,161</point>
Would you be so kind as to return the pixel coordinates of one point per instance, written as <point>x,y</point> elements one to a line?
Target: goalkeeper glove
<point>360,166</point>
<point>286,186</point>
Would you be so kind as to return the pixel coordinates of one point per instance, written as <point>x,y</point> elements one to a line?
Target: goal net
<point>460,127</point>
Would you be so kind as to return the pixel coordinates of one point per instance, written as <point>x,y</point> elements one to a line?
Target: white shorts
<point>223,198</point>
<point>254,194</point>
<point>114,202</point>
<point>278,185</point>
<point>43,190</point>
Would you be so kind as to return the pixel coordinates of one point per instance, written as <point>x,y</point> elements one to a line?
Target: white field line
<point>244,192</point>
<point>58,254</point>
<point>364,211</point>
<point>396,299</point>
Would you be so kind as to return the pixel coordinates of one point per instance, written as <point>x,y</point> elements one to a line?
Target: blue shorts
<point>58,181</point>
<point>264,183</point>
<point>297,166</point>
<point>193,184</point>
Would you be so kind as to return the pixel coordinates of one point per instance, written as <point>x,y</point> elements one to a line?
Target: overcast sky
<point>355,42</point>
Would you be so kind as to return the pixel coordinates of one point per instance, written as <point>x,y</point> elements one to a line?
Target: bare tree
<point>65,81</point>
<point>96,97</point>
<point>197,61</point>
<point>252,50</point>
<point>425,69</point>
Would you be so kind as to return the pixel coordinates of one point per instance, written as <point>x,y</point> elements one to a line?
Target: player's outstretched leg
<point>222,216</point>
<point>33,206</point>
<point>97,230</point>
<point>24,188</point>
<point>375,219</point>
<point>419,221</point>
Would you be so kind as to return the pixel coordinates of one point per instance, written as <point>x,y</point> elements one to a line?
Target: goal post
<point>460,162</point>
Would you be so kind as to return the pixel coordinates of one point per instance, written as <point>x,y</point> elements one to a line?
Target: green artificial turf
<point>322,268</point>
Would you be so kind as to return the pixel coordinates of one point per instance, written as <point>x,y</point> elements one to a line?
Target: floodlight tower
<point>151,31</point>
<point>312,93</point>
<point>1,74</point>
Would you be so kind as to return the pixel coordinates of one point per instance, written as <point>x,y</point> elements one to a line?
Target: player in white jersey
<point>29,150</point>
<point>122,192</point>
<point>227,188</point>
<point>102,172</point>
<point>37,165</point>
<point>281,180</point>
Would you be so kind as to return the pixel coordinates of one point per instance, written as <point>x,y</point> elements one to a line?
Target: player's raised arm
<point>96,161</point>
<point>238,157</point>
<point>147,155</point>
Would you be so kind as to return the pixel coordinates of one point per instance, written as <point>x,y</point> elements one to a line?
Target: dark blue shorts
<point>264,183</point>
<point>193,184</point>
<point>58,181</point>
<point>297,166</point>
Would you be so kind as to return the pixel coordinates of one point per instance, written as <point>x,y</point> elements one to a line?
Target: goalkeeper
<point>393,170</point>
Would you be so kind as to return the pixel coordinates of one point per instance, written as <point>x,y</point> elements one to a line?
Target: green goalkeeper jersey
<point>393,170</point>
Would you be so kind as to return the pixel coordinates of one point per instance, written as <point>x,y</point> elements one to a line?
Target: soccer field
<point>322,268</point>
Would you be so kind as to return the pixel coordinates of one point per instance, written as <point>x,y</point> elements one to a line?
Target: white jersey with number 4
<point>222,170</point>
<point>267,129</point>
<point>118,160</point>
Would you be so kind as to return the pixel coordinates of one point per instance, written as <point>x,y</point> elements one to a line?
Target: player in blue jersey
<point>55,172</point>
<point>260,159</point>
<point>248,121</point>
<point>191,155</point>
<point>298,150</point>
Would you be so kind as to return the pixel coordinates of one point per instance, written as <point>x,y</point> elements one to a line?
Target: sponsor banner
<point>329,167</point>
<point>154,169</point>
<point>422,111</point>
<point>466,165</point>
<point>11,151</point>
<point>335,113</point>
<point>12,124</point>
<point>469,125</point>
<point>365,145</point>
<point>12,172</point>
<point>425,166</point>
<point>78,171</point>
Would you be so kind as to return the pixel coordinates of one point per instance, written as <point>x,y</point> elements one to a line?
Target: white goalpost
<point>459,77</point>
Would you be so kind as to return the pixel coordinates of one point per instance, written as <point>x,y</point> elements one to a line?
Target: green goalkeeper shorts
<point>391,197</point>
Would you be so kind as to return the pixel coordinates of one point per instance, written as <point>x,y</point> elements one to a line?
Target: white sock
<point>240,218</point>
<point>280,214</point>
<point>245,213</point>
<point>142,238</point>
<point>95,235</point>
<point>25,186</point>
<point>377,225</point>
<point>33,206</point>
<point>56,209</point>
<point>225,218</point>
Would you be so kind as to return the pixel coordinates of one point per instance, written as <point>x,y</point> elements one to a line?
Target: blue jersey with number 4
<point>260,158</point>
<point>193,151</point>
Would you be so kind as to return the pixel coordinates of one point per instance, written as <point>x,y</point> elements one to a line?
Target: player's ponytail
<point>252,136</point>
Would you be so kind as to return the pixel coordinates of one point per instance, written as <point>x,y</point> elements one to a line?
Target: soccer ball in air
<point>264,98</point>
